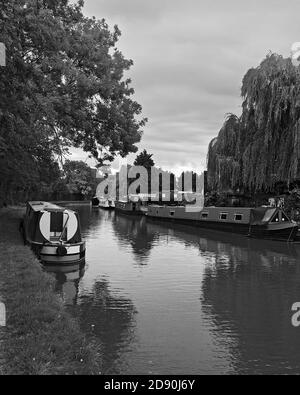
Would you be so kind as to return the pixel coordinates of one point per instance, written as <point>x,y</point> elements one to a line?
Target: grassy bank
<point>40,337</point>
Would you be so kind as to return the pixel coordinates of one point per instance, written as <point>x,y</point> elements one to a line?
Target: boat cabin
<point>46,222</point>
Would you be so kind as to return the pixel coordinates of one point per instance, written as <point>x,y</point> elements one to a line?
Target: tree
<point>144,159</point>
<point>79,178</point>
<point>261,148</point>
<point>292,205</point>
<point>63,86</point>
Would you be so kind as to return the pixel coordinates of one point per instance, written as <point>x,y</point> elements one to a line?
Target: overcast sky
<point>189,60</point>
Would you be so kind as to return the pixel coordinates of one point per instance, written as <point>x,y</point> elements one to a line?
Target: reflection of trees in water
<point>134,230</point>
<point>106,316</point>
<point>248,289</point>
<point>130,230</point>
<point>249,293</point>
<point>110,318</point>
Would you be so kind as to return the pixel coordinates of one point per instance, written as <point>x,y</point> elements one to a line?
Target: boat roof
<point>45,206</point>
<point>264,212</point>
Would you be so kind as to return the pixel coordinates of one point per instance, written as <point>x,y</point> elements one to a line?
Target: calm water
<point>166,299</point>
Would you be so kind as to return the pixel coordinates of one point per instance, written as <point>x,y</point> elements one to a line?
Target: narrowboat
<point>262,222</point>
<point>130,207</point>
<point>53,233</point>
<point>105,204</point>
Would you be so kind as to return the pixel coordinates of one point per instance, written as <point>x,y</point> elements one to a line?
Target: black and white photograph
<point>149,190</point>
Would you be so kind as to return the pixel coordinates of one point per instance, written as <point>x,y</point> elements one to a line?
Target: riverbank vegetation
<point>63,86</point>
<point>40,337</point>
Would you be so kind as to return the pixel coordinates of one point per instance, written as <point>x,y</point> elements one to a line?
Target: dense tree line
<point>63,86</point>
<point>261,148</point>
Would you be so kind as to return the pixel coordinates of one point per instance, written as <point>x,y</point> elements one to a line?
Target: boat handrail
<point>64,228</point>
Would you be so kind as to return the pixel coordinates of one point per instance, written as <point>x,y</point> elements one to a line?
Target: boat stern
<point>67,254</point>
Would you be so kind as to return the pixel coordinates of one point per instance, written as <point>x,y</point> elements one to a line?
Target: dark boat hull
<point>258,231</point>
<point>129,208</point>
<point>264,232</point>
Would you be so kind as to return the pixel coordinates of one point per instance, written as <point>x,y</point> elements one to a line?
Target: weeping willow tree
<point>223,164</point>
<point>262,147</point>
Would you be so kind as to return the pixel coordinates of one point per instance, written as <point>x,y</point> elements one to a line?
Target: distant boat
<point>106,204</point>
<point>263,222</point>
<point>131,206</point>
<point>53,233</point>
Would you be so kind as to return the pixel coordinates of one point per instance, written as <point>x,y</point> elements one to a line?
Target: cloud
<point>130,10</point>
<point>189,61</point>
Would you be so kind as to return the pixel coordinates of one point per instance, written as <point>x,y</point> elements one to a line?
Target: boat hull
<point>225,227</point>
<point>129,208</point>
<point>49,254</point>
<point>286,233</point>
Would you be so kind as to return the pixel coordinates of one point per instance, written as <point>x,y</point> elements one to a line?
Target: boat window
<point>223,216</point>
<point>268,215</point>
<point>172,213</point>
<point>238,217</point>
<point>204,215</point>
<point>284,218</point>
<point>275,218</point>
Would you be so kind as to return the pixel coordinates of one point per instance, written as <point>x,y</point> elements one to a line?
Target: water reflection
<point>250,296</point>
<point>247,292</point>
<point>110,318</point>
<point>172,299</point>
<point>133,230</point>
<point>67,281</point>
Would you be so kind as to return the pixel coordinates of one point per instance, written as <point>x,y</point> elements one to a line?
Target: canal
<point>167,299</point>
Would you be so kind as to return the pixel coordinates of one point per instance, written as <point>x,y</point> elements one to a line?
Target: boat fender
<point>61,251</point>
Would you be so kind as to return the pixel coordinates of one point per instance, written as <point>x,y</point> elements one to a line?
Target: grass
<point>40,338</point>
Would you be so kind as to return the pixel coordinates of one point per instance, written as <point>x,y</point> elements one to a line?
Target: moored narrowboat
<point>129,207</point>
<point>53,233</point>
<point>262,222</point>
<point>105,204</point>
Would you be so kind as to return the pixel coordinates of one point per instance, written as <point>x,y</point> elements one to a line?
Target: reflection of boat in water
<point>67,280</point>
<point>211,241</point>
<point>67,270</point>
<point>262,222</point>
<point>105,204</point>
<point>54,233</point>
